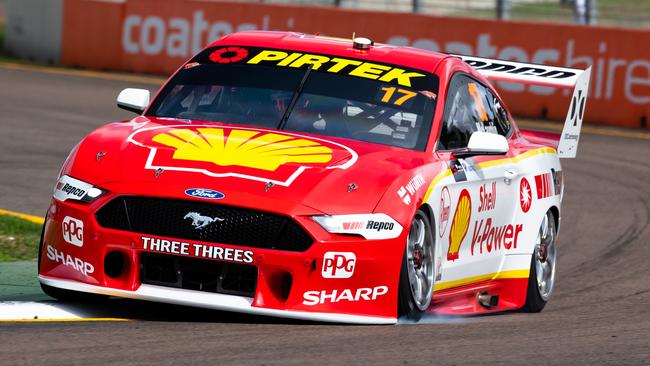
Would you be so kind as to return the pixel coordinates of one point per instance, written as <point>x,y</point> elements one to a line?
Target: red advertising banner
<point>154,36</point>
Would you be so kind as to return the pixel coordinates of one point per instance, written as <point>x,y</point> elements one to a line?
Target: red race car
<point>317,178</point>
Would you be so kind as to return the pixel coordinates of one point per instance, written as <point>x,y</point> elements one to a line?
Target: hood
<point>334,176</point>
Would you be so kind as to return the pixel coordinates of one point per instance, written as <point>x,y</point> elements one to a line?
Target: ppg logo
<point>73,231</point>
<point>338,264</point>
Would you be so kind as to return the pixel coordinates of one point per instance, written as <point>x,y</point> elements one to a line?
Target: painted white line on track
<point>31,311</point>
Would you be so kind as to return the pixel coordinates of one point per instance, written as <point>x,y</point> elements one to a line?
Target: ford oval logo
<point>204,193</point>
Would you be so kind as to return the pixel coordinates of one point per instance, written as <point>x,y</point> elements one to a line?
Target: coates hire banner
<point>155,36</point>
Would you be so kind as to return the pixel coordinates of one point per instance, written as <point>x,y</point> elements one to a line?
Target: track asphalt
<point>599,314</point>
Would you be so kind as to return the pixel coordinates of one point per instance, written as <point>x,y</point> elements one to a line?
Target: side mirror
<point>133,100</point>
<point>484,143</point>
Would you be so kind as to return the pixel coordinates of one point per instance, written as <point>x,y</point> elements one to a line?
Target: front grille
<point>239,226</point>
<point>198,274</point>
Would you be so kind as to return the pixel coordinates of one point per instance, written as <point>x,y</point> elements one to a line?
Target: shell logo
<point>247,148</point>
<point>459,224</point>
<point>239,152</point>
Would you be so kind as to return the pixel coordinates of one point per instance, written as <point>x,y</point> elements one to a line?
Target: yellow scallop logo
<point>459,224</point>
<point>246,148</point>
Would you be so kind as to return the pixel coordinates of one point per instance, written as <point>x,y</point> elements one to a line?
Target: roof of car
<point>397,55</point>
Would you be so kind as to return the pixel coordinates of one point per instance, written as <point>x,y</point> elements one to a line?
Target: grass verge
<point>19,239</point>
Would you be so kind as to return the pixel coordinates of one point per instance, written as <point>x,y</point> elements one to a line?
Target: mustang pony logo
<point>199,221</point>
<point>217,151</point>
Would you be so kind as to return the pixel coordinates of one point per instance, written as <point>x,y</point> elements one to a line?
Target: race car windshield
<point>380,103</point>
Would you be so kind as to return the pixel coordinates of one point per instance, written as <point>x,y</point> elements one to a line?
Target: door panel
<point>479,231</point>
<point>481,189</point>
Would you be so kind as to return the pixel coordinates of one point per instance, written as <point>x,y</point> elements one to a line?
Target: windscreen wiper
<point>294,98</point>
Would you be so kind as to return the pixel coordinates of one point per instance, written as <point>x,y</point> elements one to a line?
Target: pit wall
<point>155,36</point>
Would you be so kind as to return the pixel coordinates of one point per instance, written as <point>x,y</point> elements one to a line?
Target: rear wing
<point>543,75</point>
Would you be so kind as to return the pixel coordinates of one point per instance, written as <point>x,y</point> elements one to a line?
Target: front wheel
<point>418,265</point>
<point>542,266</point>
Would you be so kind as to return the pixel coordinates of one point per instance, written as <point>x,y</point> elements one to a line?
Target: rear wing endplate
<point>544,75</point>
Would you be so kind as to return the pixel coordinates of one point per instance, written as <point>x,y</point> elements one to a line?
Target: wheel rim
<point>545,257</point>
<point>420,264</point>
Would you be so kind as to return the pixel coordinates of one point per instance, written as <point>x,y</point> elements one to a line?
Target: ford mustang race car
<point>317,178</point>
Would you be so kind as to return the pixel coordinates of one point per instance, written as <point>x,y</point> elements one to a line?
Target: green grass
<point>19,239</point>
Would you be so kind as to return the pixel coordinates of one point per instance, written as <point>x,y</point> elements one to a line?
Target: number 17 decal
<point>390,91</point>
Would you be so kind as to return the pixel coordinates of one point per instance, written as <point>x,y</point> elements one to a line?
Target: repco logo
<point>69,189</point>
<point>379,225</point>
<point>338,264</point>
<point>73,231</point>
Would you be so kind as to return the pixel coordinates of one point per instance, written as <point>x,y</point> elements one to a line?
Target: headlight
<point>68,188</point>
<point>370,226</point>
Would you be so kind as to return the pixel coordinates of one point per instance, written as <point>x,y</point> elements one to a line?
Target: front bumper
<point>311,295</point>
<point>211,301</point>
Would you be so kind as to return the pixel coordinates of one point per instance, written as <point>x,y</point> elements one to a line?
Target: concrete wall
<point>33,29</point>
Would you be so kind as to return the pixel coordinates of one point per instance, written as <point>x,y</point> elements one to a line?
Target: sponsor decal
<point>558,180</point>
<point>494,238</point>
<point>246,148</point>
<point>407,191</point>
<point>70,188</point>
<point>544,184</point>
<point>444,210</point>
<point>363,227</point>
<point>67,260</point>
<point>204,193</point>
<point>525,195</point>
<point>355,225</point>
<point>458,170</point>
<point>370,226</point>
<point>228,55</point>
<point>199,221</point>
<point>311,298</point>
<point>517,69</point>
<point>338,65</point>
<point>487,197</point>
<point>380,225</point>
<point>459,224</point>
<point>73,231</point>
<point>197,250</point>
<point>273,157</point>
<point>577,109</point>
<point>338,264</point>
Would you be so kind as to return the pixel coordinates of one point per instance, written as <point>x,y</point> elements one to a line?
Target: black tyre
<point>418,268</point>
<point>541,280</point>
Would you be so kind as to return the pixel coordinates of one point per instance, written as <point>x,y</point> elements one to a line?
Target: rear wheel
<point>418,263</point>
<point>541,280</point>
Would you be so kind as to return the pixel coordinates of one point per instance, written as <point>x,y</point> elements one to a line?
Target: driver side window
<point>470,107</point>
